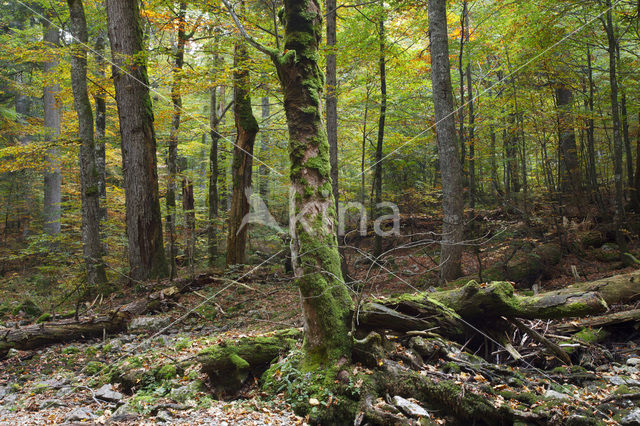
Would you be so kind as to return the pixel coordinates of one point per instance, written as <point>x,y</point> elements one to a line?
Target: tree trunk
<point>176,100</point>
<point>263,170</point>
<point>452,204</point>
<point>377,246</point>
<point>247,128</point>
<point>591,164</point>
<point>331,97</point>
<point>144,226</point>
<point>461,132</point>
<point>568,167</point>
<point>212,233</point>
<point>625,133</point>
<point>471,132</point>
<point>52,122</point>
<point>89,180</point>
<point>617,135</point>
<point>314,250</point>
<point>188,207</point>
<point>101,123</point>
<point>637,174</point>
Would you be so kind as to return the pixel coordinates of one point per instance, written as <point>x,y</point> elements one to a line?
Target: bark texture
<point>52,122</point>
<point>89,177</point>
<point>314,250</point>
<point>452,201</point>
<point>144,226</point>
<point>246,128</point>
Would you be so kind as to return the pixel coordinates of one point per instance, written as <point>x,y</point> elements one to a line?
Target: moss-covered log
<point>230,363</point>
<point>68,330</point>
<point>624,288</point>
<point>496,299</point>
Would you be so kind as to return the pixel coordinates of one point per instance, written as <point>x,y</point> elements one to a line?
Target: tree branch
<point>246,35</point>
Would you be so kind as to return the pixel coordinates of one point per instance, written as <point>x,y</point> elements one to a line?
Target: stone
<point>107,393</point>
<point>184,393</point>
<point>620,380</point>
<point>633,362</point>
<point>80,414</point>
<point>3,392</point>
<point>148,323</point>
<point>409,408</point>
<point>631,419</point>
<point>13,353</point>
<point>551,394</point>
<point>164,416</point>
<point>64,391</point>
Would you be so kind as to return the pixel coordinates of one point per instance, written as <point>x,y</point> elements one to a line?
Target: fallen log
<point>624,288</point>
<point>608,320</point>
<point>67,330</point>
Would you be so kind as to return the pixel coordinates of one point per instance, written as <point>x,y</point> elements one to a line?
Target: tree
<point>89,179</point>
<point>452,201</point>
<point>382,63</point>
<point>246,128</point>
<point>314,247</point>
<point>144,226</point>
<point>52,123</point>
<point>172,157</point>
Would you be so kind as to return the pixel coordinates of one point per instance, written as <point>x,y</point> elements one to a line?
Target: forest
<point>338,212</point>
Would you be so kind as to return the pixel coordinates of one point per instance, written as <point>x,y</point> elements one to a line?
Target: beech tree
<point>89,179</point>
<point>144,225</point>
<point>452,200</point>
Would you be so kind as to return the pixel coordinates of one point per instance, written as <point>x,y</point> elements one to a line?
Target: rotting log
<point>481,301</point>
<point>407,313</point>
<point>231,363</point>
<point>608,320</point>
<point>67,330</point>
<point>624,288</point>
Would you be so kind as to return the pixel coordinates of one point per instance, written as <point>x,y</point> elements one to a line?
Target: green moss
<point>94,367</point>
<point>28,308</point>
<point>43,318</point>
<point>528,398</point>
<point>167,372</point>
<point>451,367</point>
<point>70,350</point>
<point>589,335</point>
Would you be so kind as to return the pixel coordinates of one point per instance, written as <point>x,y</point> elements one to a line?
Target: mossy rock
<point>591,239</point>
<point>230,363</point>
<point>44,318</point>
<point>94,367</point>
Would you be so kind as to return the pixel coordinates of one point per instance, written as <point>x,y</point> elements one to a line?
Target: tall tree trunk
<point>100,99</point>
<point>461,132</point>
<point>246,128</point>
<point>172,158</point>
<point>617,134</point>
<point>495,180</point>
<point>472,118</point>
<point>568,166</point>
<point>625,133</point>
<point>214,122</point>
<point>363,193</point>
<point>144,225</point>
<point>89,180</point>
<point>452,201</point>
<point>591,163</point>
<point>263,170</point>
<point>331,97</point>
<point>377,247</point>
<point>52,122</point>
<point>637,174</point>
<point>314,246</point>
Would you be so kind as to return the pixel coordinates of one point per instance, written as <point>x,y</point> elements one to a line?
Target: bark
<point>625,133</point>
<point>331,97</point>
<point>637,174</point>
<point>100,99</point>
<point>246,128</point>
<point>471,132</point>
<point>377,246</point>
<point>52,122</point>
<point>568,173</point>
<point>89,179</point>
<point>212,232</point>
<point>591,164</point>
<point>263,170</point>
<point>144,226</point>
<point>617,135</point>
<point>188,207</point>
<point>314,250</point>
<point>172,158</point>
<point>452,204</point>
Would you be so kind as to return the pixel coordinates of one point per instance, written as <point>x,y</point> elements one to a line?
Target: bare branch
<point>244,33</point>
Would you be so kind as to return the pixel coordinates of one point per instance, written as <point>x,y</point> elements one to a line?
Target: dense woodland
<point>289,211</point>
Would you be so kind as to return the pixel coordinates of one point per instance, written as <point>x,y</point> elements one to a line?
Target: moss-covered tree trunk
<point>247,128</point>
<point>314,250</point>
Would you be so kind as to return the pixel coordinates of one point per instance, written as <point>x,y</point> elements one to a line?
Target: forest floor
<point>72,383</point>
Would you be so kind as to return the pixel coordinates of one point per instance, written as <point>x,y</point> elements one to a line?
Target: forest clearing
<point>264,212</point>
